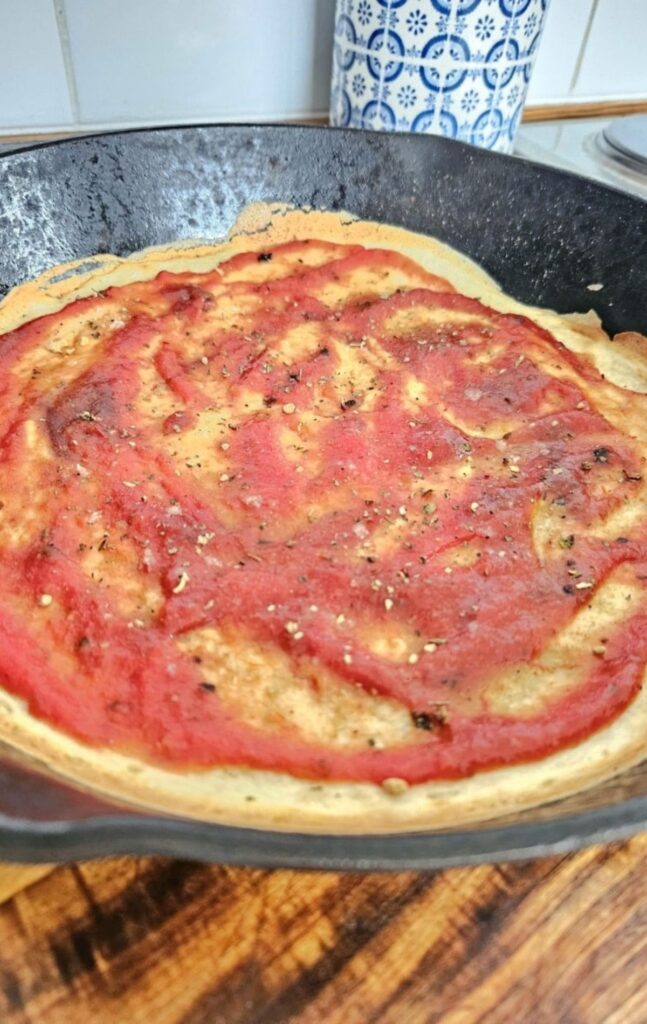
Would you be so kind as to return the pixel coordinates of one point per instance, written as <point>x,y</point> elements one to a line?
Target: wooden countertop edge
<point>576,109</point>
<point>532,113</point>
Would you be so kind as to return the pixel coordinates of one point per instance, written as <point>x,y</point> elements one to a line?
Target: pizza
<point>316,528</point>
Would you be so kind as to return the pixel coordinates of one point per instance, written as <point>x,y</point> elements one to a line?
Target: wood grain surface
<point>135,941</point>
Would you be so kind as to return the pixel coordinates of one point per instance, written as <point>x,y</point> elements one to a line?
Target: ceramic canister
<point>459,68</point>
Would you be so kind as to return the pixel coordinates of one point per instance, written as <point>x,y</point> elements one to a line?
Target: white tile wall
<point>33,87</point>
<point>103,63</point>
<point>615,57</point>
<point>161,60</point>
<point>559,50</point>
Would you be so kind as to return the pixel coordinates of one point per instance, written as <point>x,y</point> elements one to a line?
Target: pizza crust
<point>276,800</point>
<point>272,800</point>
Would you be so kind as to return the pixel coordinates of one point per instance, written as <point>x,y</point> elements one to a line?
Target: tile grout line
<point>387,25</point>
<point>583,45</point>
<point>68,63</point>
<point>494,97</point>
<point>452,17</point>
<point>431,62</point>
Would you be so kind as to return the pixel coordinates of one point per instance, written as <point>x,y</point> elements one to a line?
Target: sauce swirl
<point>325,451</point>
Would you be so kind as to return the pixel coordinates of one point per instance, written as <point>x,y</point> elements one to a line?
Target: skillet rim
<point>103,830</point>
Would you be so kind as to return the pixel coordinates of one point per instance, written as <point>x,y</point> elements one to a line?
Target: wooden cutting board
<point>152,941</point>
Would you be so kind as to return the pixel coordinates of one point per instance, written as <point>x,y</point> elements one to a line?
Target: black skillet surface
<point>543,234</point>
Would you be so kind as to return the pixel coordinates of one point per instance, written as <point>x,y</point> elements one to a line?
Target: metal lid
<point>627,136</point>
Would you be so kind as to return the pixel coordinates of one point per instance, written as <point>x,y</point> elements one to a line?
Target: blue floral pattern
<point>446,59</point>
<point>407,96</point>
<point>456,6</point>
<point>473,59</point>
<point>470,101</point>
<point>501,64</point>
<point>384,43</point>
<point>444,23</point>
<point>378,114</point>
<point>442,124</point>
<point>512,7</point>
<point>417,22</point>
<point>487,128</point>
<point>364,12</point>
<point>484,27</point>
<point>388,18</point>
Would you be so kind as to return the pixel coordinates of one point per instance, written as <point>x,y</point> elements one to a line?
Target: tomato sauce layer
<point>326,453</point>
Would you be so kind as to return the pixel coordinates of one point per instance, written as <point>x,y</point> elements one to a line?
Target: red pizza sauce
<point>500,422</point>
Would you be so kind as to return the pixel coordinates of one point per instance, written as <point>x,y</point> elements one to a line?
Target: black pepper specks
<point>422,720</point>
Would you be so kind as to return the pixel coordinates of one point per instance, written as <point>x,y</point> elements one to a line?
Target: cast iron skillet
<point>544,234</point>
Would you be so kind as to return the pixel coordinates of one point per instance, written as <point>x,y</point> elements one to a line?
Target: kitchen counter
<point>135,940</point>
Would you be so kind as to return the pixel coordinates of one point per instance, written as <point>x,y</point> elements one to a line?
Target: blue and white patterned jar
<point>459,68</point>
